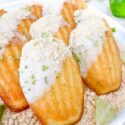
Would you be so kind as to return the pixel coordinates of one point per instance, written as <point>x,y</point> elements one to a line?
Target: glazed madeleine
<point>14,28</point>
<point>107,68</point>
<point>54,93</point>
<point>96,52</point>
<point>10,90</point>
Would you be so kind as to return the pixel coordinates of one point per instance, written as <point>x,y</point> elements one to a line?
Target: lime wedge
<point>2,109</point>
<point>105,112</point>
<point>118,7</point>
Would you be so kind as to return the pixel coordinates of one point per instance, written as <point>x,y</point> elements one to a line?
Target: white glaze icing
<point>86,40</point>
<point>47,24</point>
<point>41,61</point>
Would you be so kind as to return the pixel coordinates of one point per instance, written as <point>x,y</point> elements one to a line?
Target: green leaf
<point>104,113</point>
<point>2,109</point>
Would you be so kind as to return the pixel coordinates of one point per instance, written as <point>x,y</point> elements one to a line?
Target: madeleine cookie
<point>11,43</point>
<point>54,93</point>
<point>96,52</point>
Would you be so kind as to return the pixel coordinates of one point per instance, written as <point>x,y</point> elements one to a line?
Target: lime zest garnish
<point>33,79</point>
<point>32,76</point>
<point>44,67</point>
<point>76,58</point>
<point>2,109</point>
<point>46,34</point>
<point>27,8</point>
<point>46,80</point>
<point>96,44</point>
<point>26,66</point>
<point>104,112</point>
<point>113,30</point>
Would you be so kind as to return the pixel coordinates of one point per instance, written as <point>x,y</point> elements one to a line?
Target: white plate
<point>119,35</point>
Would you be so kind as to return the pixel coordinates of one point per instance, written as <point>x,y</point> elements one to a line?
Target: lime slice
<point>2,109</point>
<point>118,7</point>
<point>105,112</point>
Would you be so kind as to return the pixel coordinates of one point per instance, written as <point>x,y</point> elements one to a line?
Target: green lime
<point>118,7</point>
<point>104,112</point>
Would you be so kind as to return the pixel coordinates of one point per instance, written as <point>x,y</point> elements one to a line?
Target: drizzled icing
<point>41,61</point>
<point>47,24</point>
<point>86,40</point>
